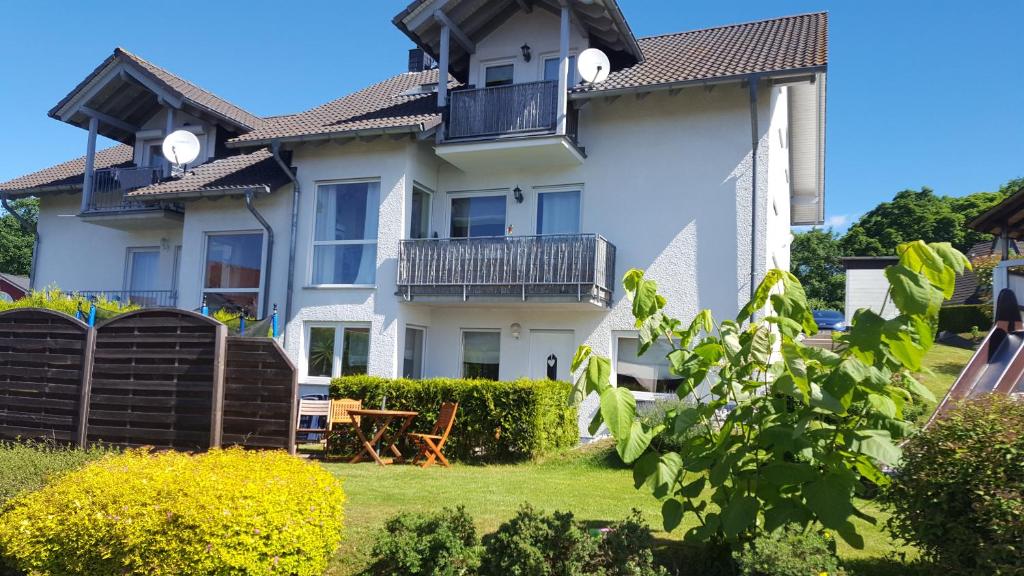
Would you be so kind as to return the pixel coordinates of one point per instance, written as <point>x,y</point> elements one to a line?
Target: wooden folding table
<point>382,419</point>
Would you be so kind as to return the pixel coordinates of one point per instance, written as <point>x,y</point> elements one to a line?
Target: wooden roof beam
<point>467,44</point>
<point>109,120</point>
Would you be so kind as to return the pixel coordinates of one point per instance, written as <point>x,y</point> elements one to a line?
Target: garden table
<point>382,419</point>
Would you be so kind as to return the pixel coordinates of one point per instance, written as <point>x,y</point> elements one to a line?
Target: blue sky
<point>920,93</point>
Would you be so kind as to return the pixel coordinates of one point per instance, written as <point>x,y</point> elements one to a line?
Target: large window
<point>551,70</point>
<point>647,373</point>
<point>143,269</point>
<point>233,270</point>
<point>334,350</point>
<point>558,212</point>
<point>481,351</point>
<point>412,364</point>
<point>419,218</point>
<point>345,237</point>
<point>500,75</point>
<point>478,216</point>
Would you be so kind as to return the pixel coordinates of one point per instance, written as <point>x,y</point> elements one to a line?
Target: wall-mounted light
<point>517,193</point>
<point>517,330</point>
<point>526,52</point>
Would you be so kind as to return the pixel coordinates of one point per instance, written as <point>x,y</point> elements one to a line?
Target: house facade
<point>476,227</point>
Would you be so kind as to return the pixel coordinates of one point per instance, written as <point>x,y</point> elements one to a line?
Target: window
<point>412,365</point>
<point>142,272</point>
<point>551,70</point>
<point>419,219</point>
<point>500,75</point>
<point>334,350</point>
<point>558,212</point>
<point>478,216</point>
<point>647,373</point>
<point>481,351</point>
<point>345,237</point>
<point>233,271</point>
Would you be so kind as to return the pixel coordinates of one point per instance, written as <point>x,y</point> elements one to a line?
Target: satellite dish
<point>593,66</point>
<point>180,147</point>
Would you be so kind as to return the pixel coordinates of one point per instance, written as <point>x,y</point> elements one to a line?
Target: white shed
<point>866,285</point>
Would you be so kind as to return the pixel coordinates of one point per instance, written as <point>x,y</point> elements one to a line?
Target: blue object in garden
<point>273,322</point>
<point>241,323</point>
<point>204,310</point>
<point>78,313</point>
<point>92,314</point>
<point>829,320</point>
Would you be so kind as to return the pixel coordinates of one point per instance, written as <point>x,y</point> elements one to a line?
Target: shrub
<point>536,544</point>
<point>439,544</point>
<point>658,412</point>
<point>788,551</point>
<point>221,512</point>
<point>497,421</point>
<point>27,466</point>
<point>53,299</point>
<point>959,494</point>
<point>961,318</point>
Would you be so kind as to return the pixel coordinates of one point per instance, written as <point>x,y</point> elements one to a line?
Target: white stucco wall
<point>539,29</point>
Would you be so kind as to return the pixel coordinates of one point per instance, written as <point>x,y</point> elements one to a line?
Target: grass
<point>945,364</point>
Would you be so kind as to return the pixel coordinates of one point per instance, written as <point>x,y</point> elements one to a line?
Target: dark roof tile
<point>230,174</point>
<point>69,175</point>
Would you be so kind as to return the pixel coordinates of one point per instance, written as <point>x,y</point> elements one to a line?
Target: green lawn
<point>587,482</point>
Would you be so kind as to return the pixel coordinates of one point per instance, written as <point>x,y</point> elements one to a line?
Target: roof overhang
<point>327,136</point>
<point>472,20</point>
<point>1006,216</point>
<point>807,151</point>
<point>198,193</point>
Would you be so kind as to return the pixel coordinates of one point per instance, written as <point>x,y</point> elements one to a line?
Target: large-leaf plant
<point>775,431</point>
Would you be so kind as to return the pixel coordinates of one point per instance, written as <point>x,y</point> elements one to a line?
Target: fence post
<point>85,391</point>
<point>219,362</point>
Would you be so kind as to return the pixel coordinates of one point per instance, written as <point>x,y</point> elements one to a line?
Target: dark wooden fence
<point>159,377</point>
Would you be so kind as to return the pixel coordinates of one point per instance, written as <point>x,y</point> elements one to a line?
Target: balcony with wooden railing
<point>561,268</point>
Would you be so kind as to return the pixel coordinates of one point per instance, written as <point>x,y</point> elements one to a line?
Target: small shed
<point>13,287</point>
<point>866,285</point>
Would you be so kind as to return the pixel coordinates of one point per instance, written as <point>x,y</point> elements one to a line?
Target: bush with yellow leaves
<point>220,512</point>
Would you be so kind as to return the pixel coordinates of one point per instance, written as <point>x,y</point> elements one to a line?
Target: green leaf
<point>877,444</point>
<point>667,472</point>
<point>912,292</point>
<point>761,345</point>
<point>829,499</point>
<point>693,489</point>
<point>595,423</point>
<point>582,353</point>
<point>788,473</point>
<point>865,334</point>
<point>618,408</point>
<point>848,532</point>
<point>644,469</point>
<point>883,405</point>
<point>671,514</point>
<point>635,443</point>
<point>919,257</point>
<point>918,389</point>
<point>597,375</point>
<point>685,418</point>
<point>764,289</point>
<point>739,515</point>
<point>643,294</point>
<point>951,256</point>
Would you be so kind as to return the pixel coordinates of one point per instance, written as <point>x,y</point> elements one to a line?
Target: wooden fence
<point>159,377</point>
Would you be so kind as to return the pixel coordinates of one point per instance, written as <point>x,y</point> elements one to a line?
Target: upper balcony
<point>559,268</point>
<point>108,204</point>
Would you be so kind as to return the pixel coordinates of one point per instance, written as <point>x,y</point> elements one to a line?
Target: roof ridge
<point>735,25</point>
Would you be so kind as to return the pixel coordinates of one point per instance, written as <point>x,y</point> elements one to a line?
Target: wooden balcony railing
<point>513,109</point>
<point>111,185</point>
<point>569,267</point>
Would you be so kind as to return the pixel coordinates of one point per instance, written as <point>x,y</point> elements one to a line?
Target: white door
<point>551,353</point>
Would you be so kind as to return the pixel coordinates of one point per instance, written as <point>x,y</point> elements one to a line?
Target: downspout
<point>754,145</point>
<point>27,226</point>
<point>275,149</point>
<point>270,247</point>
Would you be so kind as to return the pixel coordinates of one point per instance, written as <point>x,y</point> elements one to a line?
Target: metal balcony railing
<point>500,110</point>
<point>143,298</point>
<point>111,185</point>
<point>569,267</point>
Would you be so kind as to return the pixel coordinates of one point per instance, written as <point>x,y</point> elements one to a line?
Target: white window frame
<point>471,194</point>
<point>339,342</point>
<point>462,347</point>
<point>498,63</point>
<point>129,263</point>
<point>203,290</point>
<point>643,396</point>
<point>423,348</point>
<point>573,73</point>
<point>430,209</point>
<point>538,190</point>
<point>313,242</point>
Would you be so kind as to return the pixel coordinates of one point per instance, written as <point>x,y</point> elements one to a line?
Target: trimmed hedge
<point>496,422</point>
<point>28,466</point>
<point>960,318</point>
<point>220,512</point>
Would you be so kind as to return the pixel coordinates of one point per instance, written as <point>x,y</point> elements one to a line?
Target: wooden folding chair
<point>314,409</point>
<point>430,445</point>
<point>338,415</point>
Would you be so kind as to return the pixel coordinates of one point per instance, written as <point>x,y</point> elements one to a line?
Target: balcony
<point>514,126</point>
<point>571,268</point>
<point>143,298</point>
<point>108,203</point>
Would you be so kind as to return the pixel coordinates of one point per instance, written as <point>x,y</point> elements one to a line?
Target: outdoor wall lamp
<point>517,193</point>
<point>516,330</point>
<point>526,52</point>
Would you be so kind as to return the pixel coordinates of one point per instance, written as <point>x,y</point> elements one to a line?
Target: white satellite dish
<point>593,66</point>
<point>180,147</point>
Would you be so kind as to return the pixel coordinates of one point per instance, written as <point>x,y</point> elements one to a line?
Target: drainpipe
<point>270,246</point>
<point>754,145</point>
<point>27,226</point>
<point>275,149</point>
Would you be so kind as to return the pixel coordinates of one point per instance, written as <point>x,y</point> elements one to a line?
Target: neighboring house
<point>477,226</point>
<point>867,286</point>
<point>13,287</point>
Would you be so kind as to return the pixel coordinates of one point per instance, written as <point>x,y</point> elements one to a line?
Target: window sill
<point>340,287</point>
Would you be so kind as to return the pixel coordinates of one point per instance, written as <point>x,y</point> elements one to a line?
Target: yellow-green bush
<point>221,512</point>
<point>52,298</point>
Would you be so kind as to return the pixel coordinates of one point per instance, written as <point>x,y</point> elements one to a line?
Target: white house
<point>474,227</point>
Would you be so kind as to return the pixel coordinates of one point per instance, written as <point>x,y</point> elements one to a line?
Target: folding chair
<point>430,445</point>
<point>338,416</point>
<point>314,409</point>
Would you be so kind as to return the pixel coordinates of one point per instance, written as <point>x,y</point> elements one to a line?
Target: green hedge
<point>497,421</point>
<point>961,317</point>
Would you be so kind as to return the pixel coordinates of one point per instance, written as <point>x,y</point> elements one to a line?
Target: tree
<point>15,242</point>
<point>816,260</point>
